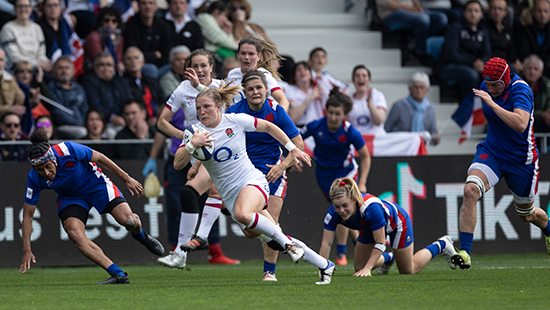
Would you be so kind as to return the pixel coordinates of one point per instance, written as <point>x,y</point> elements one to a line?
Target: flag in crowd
<point>70,45</point>
<point>468,114</point>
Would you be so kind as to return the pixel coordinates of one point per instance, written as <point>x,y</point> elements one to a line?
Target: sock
<point>436,248</point>
<point>466,240</point>
<point>139,236</point>
<point>215,249</point>
<point>269,267</point>
<point>388,257</point>
<point>210,213</point>
<point>188,222</point>
<point>266,227</point>
<point>341,250</point>
<point>546,230</point>
<point>311,256</point>
<point>114,269</point>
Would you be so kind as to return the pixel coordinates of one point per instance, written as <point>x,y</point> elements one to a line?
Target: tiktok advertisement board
<point>429,188</point>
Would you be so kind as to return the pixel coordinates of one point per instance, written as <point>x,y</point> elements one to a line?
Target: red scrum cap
<point>497,69</point>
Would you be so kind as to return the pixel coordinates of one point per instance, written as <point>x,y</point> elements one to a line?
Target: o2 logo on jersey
<point>224,153</point>
<point>363,120</point>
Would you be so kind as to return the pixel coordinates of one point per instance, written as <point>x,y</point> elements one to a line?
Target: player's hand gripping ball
<point>201,153</point>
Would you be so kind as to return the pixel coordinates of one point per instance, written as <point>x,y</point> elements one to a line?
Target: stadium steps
<point>296,27</point>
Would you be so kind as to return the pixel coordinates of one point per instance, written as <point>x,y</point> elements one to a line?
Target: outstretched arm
<point>28,212</point>
<point>517,119</point>
<point>326,243</point>
<point>165,126</point>
<point>279,135</point>
<point>131,184</point>
<point>379,237</point>
<point>364,168</point>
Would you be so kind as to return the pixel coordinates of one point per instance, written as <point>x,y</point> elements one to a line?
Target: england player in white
<point>243,188</point>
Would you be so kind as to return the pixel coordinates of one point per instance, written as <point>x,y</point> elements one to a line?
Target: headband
<point>48,156</point>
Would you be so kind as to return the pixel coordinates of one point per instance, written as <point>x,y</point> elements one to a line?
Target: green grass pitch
<point>494,282</point>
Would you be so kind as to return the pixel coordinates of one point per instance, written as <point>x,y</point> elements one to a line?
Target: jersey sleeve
<point>272,83</point>
<point>82,152</point>
<point>375,216</point>
<point>331,219</point>
<point>309,129</point>
<point>356,138</point>
<point>286,124</point>
<point>33,189</point>
<point>246,122</point>
<point>171,102</point>
<point>523,97</point>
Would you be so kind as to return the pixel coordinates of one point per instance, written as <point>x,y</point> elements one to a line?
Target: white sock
<point>210,213</point>
<point>188,223</point>
<point>266,227</point>
<point>311,256</point>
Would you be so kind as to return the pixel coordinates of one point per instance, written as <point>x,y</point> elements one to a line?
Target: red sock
<point>215,249</point>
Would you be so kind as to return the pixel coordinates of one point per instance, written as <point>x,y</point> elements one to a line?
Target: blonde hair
<point>267,51</point>
<point>222,95</point>
<point>345,187</point>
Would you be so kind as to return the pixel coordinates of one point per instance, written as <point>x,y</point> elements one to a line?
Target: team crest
<point>229,132</point>
<point>320,134</point>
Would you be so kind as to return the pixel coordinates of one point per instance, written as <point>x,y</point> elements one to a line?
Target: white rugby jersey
<point>314,111</point>
<point>184,97</point>
<point>237,76</point>
<point>360,116</point>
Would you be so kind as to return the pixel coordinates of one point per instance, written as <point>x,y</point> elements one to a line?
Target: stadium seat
<point>434,45</point>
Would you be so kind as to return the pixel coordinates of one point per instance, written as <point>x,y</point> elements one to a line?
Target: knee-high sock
<point>266,227</point>
<point>311,256</point>
<point>188,223</point>
<point>210,213</point>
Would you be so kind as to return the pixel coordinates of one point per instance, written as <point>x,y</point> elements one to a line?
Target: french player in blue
<point>265,151</point>
<point>375,219</point>
<point>334,157</point>
<point>71,171</point>
<point>508,152</point>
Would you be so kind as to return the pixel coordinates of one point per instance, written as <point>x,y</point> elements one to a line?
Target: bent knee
<point>471,192</point>
<point>133,221</point>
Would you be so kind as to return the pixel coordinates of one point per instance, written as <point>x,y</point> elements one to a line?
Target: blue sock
<point>546,230</point>
<point>388,257</point>
<point>139,236</point>
<point>466,240</point>
<point>114,269</point>
<point>269,267</point>
<point>436,248</point>
<point>341,250</point>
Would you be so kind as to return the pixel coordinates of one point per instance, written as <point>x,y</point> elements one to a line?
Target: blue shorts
<point>325,177</point>
<point>522,180</point>
<point>400,238</point>
<point>97,195</point>
<point>278,188</point>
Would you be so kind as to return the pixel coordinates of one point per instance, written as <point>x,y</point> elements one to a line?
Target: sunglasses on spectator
<point>235,8</point>
<point>24,71</point>
<point>43,124</point>
<point>14,125</point>
<point>110,20</point>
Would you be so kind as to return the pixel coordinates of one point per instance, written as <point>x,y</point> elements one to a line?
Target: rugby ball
<point>201,153</point>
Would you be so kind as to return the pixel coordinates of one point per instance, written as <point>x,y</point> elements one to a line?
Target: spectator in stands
<point>23,39</point>
<point>306,101</point>
<point>85,13</point>
<point>409,13</point>
<point>369,104</point>
<point>152,35</point>
<point>415,113</point>
<point>106,91</point>
<point>534,38</point>
<point>443,6</point>
<point>501,33</point>
<point>136,128</point>
<point>145,88</point>
<point>239,14</point>
<point>32,86</point>
<point>11,131</point>
<point>50,22</point>
<point>172,79</point>
<point>71,95</point>
<point>466,50</point>
<point>317,61</point>
<point>217,30</point>
<point>11,96</point>
<point>95,127</point>
<point>533,68</point>
<point>46,123</point>
<point>107,32</point>
<point>186,31</point>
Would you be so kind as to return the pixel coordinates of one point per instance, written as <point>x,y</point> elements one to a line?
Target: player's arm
<point>165,126</point>
<point>277,170</point>
<point>379,238</point>
<point>279,95</point>
<point>517,119</point>
<point>326,243</point>
<point>279,135</point>
<point>26,228</point>
<point>133,186</point>
<point>364,168</point>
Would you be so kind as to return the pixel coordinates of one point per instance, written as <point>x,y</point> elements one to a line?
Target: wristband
<point>290,146</point>
<point>200,87</point>
<point>190,148</point>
